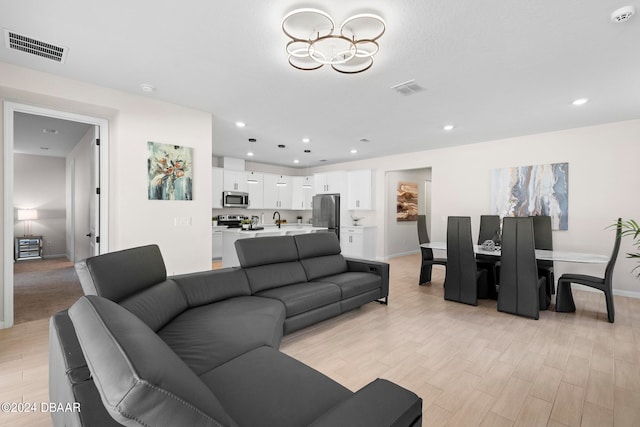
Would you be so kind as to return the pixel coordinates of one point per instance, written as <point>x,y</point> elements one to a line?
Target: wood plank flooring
<point>472,366</point>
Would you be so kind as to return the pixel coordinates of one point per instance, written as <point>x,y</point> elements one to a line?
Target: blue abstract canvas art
<point>532,190</point>
<point>170,172</point>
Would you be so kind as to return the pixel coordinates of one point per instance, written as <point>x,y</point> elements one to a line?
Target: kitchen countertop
<point>272,229</point>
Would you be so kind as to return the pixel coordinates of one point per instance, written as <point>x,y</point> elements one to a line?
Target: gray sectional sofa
<point>144,349</point>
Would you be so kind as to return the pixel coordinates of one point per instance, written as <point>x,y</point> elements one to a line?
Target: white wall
<point>402,236</point>
<point>39,184</point>
<point>603,171</point>
<point>134,120</point>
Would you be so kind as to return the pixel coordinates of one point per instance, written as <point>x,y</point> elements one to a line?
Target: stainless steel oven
<point>235,199</point>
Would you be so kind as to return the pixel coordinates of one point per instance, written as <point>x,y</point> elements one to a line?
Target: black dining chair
<point>428,261</point>
<point>544,240</point>
<point>521,291</point>
<point>490,230</point>
<point>564,297</point>
<point>464,282</point>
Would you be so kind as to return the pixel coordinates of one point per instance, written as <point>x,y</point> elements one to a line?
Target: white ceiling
<point>494,69</point>
<point>46,136</point>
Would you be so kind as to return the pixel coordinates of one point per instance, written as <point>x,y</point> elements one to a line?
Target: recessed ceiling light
<point>241,124</point>
<point>250,153</point>
<point>147,88</point>
<point>354,151</point>
<point>448,127</point>
<point>581,101</point>
<point>306,140</point>
<point>296,161</point>
<point>50,131</point>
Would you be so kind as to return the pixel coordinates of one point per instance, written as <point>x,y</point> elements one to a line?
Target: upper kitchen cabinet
<point>217,187</point>
<point>277,191</point>
<point>255,183</point>
<point>302,192</point>
<point>235,180</point>
<point>360,189</point>
<point>330,182</point>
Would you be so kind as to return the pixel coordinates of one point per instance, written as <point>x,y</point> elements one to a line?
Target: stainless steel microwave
<point>235,199</point>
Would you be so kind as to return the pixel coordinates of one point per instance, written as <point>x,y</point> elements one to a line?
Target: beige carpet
<point>43,287</point>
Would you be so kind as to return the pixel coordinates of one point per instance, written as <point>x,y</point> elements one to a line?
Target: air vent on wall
<point>408,88</point>
<point>32,46</point>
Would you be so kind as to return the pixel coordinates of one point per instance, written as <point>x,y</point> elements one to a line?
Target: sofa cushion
<point>323,266</point>
<point>210,335</point>
<point>320,254</point>
<point>158,305</point>
<point>275,275</point>
<point>117,275</point>
<point>303,297</point>
<point>266,250</point>
<point>317,244</point>
<point>140,380</point>
<point>353,283</point>
<point>211,286</point>
<point>267,388</point>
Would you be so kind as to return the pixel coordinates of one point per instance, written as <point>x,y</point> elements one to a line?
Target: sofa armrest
<point>376,267</point>
<point>379,404</point>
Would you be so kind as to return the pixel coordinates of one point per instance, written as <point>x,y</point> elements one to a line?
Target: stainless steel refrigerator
<point>326,212</point>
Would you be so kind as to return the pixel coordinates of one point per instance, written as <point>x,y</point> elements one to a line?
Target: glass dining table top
<point>541,254</point>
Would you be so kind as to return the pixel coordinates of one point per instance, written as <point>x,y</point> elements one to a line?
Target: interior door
<point>94,196</point>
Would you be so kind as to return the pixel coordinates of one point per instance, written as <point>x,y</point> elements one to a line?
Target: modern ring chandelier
<point>314,44</point>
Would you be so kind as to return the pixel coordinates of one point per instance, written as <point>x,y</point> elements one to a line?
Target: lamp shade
<point>27,214</point>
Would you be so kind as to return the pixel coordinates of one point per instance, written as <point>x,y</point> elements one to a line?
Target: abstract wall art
<point>532,190</point>
<point>407,201</point>
<point>170,172</point>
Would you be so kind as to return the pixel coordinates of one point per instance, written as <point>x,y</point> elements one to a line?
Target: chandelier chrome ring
<point>364,63</point>
<point>362,24</point>
<point>314,22</point>
<point>363,52</point>
<point>300,63</point>
<point>298,48</point>
<point>332,53</point>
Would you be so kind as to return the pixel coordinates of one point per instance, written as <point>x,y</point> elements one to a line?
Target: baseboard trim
<point>401,254</point>
<point>54,256</point>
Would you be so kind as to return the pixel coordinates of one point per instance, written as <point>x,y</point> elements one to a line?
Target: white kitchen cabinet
<point>277,196</point>
<point>358,242</point>
<point>302,192</point>
<point>235,180</point>
<point>330,182</point>
<point>217,187</point>
<point>360,189</point>
<point>255,190</point>
<point>216,242</point>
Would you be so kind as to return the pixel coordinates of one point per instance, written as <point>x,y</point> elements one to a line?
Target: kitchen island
<point>230,235</point>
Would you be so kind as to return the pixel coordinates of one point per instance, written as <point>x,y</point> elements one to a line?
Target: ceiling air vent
<point>408,88</point>
<point>30,45</point>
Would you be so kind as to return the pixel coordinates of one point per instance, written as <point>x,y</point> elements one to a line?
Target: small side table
<point>27,247</point>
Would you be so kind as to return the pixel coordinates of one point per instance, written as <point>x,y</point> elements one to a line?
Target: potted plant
<point>630,228</point>
<point>214,221</point>
<point>299,218</point>
<point>246,223</point>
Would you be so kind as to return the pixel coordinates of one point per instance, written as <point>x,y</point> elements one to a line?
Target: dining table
<point>541,254</point>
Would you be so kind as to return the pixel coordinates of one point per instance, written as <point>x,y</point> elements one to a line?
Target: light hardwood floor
<point>472,366</point>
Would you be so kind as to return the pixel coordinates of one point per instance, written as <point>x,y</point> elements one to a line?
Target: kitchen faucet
<point>274,217</point>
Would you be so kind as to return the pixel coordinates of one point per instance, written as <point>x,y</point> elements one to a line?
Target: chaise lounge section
<point>202,349</point>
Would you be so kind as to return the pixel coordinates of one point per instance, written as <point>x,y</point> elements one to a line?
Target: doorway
<point>91,208</point>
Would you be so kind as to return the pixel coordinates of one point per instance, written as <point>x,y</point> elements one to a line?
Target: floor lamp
<point>27,215</point>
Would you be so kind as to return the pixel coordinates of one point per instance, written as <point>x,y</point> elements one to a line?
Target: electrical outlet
<point>182,221</point>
